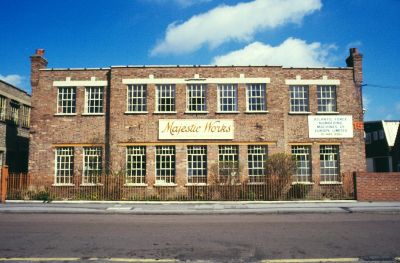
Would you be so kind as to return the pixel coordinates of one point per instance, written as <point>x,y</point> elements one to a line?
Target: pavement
<point>187,208</point>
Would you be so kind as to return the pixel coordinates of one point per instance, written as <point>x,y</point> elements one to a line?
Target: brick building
<point>15,106</point>
<point>178,126</point>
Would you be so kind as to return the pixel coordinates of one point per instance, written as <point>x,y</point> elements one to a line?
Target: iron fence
<point>113,187</point>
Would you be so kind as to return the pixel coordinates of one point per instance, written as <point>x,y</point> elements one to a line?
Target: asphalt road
<point>222,238</point>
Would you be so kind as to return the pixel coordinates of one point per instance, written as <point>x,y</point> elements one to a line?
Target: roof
<point>11,85</point>
<point>192,66</point>
<point>390,128</point>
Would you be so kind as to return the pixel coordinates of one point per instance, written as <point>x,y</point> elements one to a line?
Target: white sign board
<point>326,126</point>
<point>195,129</point>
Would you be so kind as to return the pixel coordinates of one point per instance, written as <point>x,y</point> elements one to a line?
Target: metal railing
<point>113,187</point>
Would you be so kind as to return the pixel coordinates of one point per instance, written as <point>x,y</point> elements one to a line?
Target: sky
<point>298,33</point>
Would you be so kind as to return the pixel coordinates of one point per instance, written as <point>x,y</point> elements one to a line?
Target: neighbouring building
<point>381,153</point>
<point>180,126</point>
<point>15,107</point>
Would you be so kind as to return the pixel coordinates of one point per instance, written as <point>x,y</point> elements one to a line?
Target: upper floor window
<point>137,98</point>
<point>3,108</point>
<point>381,135</point>
<point>66,103</point>
<point>94,100</point>
<point>64,165</point>
<point>165,98</point>
<point>14,112</point>
<point>227,98</point>
<point>25,116</point>
<point>196,97</point>
<point>256,97</point>
<point>367,138</point>
<point>326,98</point>
<point>299,99</point>
<point>92,165</point>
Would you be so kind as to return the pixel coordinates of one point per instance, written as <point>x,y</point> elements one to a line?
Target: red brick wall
<point>378,186</point>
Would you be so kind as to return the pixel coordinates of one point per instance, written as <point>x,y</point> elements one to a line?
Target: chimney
<point>355,61</point>
<point>37,62</point>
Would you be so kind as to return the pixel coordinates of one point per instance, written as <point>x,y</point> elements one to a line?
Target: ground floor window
<point>329,162</point>
<point>92,165</point>
<point>136,165</point>
<point>197,164</point>
<point>228,163</point>
<point>257,156</point>
<point>165,164</point>
<point>302,155</point>
<point>64,165</point>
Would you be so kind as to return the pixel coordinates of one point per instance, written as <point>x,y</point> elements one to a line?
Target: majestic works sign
<point>195,129</point>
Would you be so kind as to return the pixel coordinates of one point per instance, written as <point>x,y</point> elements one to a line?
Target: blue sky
<point>99,33</point>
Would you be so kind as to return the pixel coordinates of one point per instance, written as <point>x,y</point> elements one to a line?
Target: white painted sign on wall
<point>326,126</point>
<point>195,129</point>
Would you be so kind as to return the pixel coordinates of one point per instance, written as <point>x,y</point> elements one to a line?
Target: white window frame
<point>135,165</point>
<point>165,175</point>
<point>256,163</point>
<point>141,99</point>
<point>196,164</point>
<point>228,162</point>
<point>262,89</point>
<point>330,161</point>
<point>232,89</point>
<point>192,91</point>
<point>64,166</point>
<point>327,98</point>
<point>66,100</point>
<point>94,94</point>
<point>300,94</point>
<point>171,89</point>
<point>92,165</point>
<point>302,155</point>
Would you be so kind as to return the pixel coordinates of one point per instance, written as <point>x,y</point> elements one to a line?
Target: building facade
<point>179,126</point>
<point>380,142</point>
<point>15,106</point>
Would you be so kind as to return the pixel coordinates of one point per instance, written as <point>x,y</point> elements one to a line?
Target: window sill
<point>257,112</point>
<point>165,184</point>
<point>135,112</point>
<point>331,183</point>
<point>92,114</point>
<point>164,112</point>
<point>65,114</point>
<point>227,112</point>
<point>196,112</point>
<point>299,113</point>
<point>136,184</point>
<point>196,184</point>
<point>91,184</point>
<point>328,112</point>
<point>302,183</point>
<point>63,185</point>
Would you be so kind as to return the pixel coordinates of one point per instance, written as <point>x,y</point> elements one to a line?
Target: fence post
<point>3,184</point>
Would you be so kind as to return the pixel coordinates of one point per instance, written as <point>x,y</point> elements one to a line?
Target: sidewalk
<point>176,208</point>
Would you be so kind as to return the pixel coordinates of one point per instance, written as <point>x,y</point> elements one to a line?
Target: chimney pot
<point>40,52</point>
